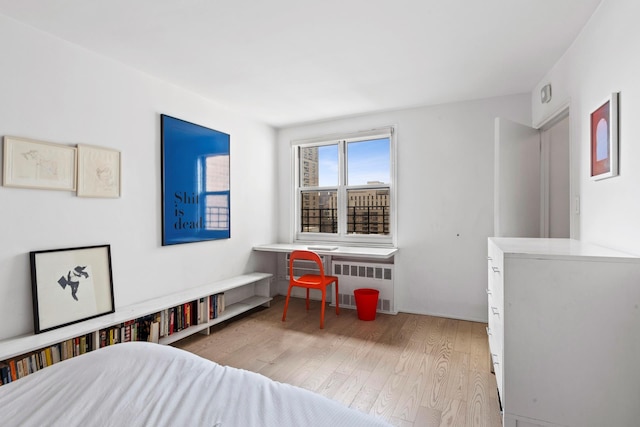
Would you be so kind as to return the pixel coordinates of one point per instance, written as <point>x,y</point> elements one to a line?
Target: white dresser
<point>564,332</point>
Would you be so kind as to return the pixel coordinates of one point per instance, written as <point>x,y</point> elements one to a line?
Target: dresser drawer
<point>497,364</point>
<point>495,280</point>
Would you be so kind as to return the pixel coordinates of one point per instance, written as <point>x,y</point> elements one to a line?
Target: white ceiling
<point>292,61</point>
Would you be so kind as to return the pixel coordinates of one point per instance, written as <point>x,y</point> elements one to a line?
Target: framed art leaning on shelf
<point>70,285</point>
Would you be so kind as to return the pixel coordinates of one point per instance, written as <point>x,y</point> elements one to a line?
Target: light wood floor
<point>410,370</point>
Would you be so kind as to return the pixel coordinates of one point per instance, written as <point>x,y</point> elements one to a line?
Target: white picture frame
<point>98,172</point>
<point>604,139</point>
<point>39,165</point>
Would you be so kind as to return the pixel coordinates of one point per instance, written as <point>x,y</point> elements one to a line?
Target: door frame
<point>562,112</point>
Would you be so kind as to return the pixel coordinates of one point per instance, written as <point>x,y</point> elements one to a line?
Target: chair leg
<point>324,297</point>
<point>286,304</point>
<point>337,299</point>
<point>307,299</point>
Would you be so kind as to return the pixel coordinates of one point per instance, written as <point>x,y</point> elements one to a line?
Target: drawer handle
<point>488,291</point>
<point>495,311</point>
<point>495,269</point>
<point>489,331</point>
<point>495,356</point>
<point>489,258</point>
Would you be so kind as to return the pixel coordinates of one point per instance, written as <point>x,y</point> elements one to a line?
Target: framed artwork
<point>70,285</point>
<point>195,182</point>
<point>37,164</point>
<point>604,139</point>
<point>98,172</point>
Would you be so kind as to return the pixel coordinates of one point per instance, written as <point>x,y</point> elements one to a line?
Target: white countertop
<point>525,247</point>
<point>331,249</point>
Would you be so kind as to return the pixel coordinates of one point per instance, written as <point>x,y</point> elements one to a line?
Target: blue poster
<point>195,182</point>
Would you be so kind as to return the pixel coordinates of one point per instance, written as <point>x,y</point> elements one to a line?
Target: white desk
<point>331,250</point>
<point>355,262</point>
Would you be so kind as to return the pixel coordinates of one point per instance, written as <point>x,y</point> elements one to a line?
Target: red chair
<point>310,281</point>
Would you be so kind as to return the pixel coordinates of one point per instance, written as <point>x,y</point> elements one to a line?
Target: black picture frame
<point>70,285</point>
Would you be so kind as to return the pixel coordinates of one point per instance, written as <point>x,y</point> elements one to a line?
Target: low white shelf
<point>244,293</point>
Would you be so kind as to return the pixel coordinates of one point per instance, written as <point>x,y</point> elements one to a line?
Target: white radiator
<point>353,275</point>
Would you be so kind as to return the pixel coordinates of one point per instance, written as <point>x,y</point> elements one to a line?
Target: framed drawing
<point>98,172</point>
<point>37,164</point>
<point>604,139</point>
<point>195,182</point>
<point>70,285</point>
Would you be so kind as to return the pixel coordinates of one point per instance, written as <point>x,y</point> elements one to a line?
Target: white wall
<point>57,92</point>
<point>603,59</point>
<point>445,198</point>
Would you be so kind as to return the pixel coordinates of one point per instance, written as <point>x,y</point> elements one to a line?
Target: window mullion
<point>342,193</point>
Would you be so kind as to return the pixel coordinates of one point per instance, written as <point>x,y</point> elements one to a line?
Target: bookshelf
<point>241,294</point>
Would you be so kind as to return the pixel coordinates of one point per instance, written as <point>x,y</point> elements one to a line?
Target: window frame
<point>342,237</point>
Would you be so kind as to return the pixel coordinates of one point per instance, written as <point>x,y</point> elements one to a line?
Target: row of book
<point>15,369</point>
<point>132,330</point>
<point>147,328</point>
<point>180,317</point>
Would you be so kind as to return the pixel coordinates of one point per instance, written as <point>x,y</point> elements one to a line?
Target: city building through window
<point>344,188</point>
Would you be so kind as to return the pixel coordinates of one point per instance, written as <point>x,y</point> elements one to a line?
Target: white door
<point>556,195</point>
<point>517,180</point>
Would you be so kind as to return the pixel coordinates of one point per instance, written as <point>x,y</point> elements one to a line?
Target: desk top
<point>329,249</point>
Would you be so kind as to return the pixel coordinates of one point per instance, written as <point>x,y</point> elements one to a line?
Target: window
<point>344,188</point>
<point>216,192</point>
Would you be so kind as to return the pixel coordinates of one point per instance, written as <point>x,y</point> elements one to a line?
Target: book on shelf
<point>154,332</point>
<point>186,315</point>
<point>70,348</point>
<point>25,367</point>
<point>19,369</point>
<point>194,313</point>
<point>216,305</point>
<point>5,373</point>
<point>162,323</point>
<point>221,303</point>
<point>127,330</point>
<point>47,353</point>
<point>14,372</point>
<point>55,354</point>
<point>34,363</point>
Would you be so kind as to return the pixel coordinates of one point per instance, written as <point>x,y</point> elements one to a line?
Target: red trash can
<point>366,303</point>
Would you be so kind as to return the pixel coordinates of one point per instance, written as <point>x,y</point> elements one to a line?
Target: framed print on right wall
<point>604,139</point>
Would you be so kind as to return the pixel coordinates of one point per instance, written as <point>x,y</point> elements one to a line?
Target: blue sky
<point>368,161</point>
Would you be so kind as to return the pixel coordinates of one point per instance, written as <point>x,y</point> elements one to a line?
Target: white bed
<point>144,384</point>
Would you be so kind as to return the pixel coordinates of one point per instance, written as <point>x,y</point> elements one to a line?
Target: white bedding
<point>144,384</point>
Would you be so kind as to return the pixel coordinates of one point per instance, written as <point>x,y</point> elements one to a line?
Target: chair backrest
<point>308,256</point>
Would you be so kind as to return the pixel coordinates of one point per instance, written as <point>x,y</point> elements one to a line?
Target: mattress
<point>145,384</point>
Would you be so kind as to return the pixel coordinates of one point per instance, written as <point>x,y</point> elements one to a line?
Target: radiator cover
<point>353,275</point>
